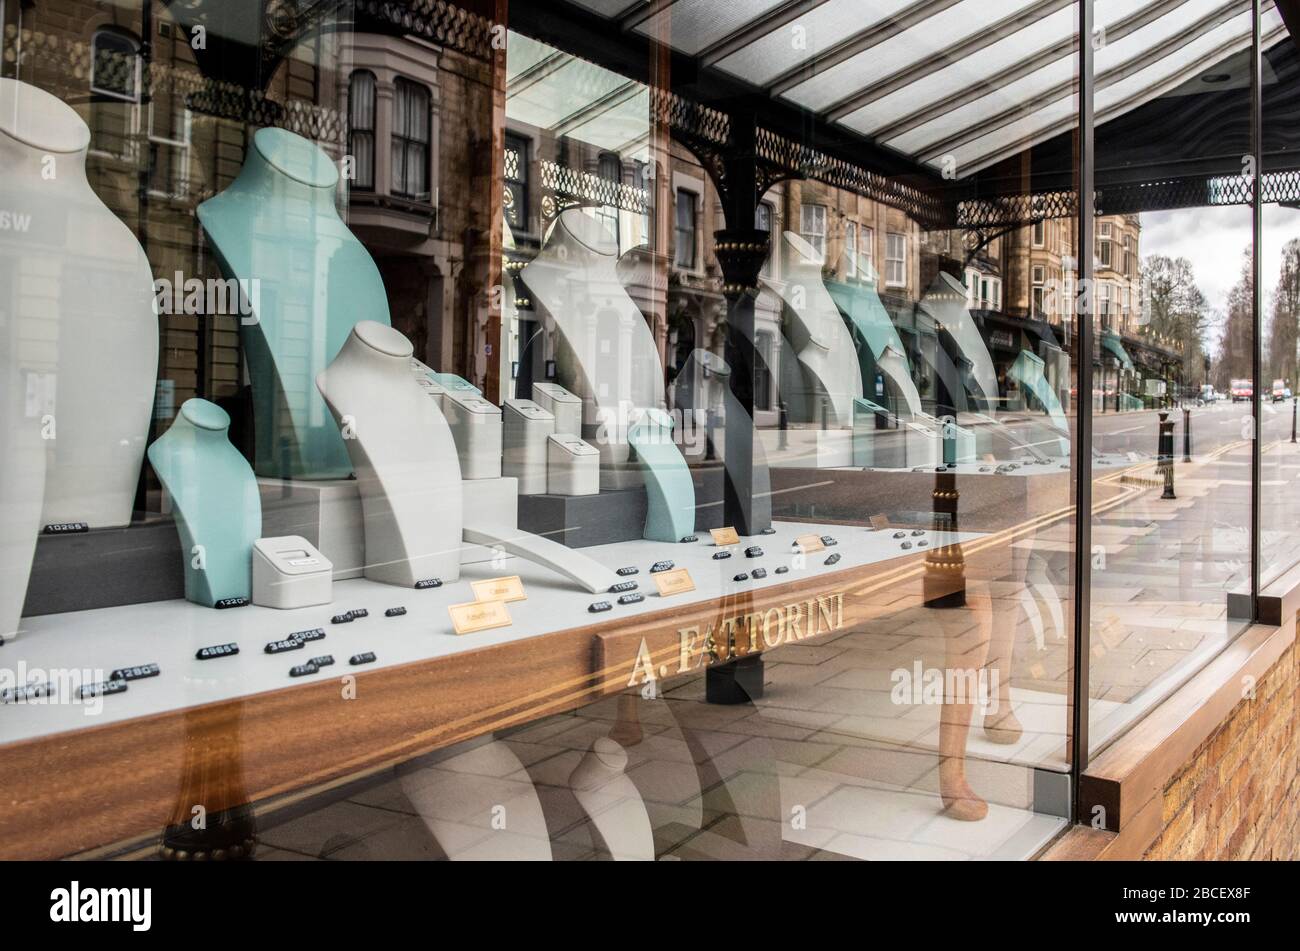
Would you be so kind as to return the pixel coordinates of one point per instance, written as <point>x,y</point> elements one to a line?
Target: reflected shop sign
<point>632,658</point>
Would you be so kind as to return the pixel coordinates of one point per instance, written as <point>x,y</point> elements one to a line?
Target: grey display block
<point>105,568</point>
<point>613,516</point>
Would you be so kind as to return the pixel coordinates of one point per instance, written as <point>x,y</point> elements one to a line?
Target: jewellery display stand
<point>734,414</point>
<point>22,468</point>
<point>289,573</point>
<point>424,376</point>
<point>403,455</point>
<point>525,428</point>
<point>670,491</point>
<point>476,428</point>
<point>824,346</point>
<point>459,798</point>
<point>945,303</point>
<point>560,403</point>
<point>78,281</point>
<point>612,802</point>
<point>1028,371</point>
<point>215,501</point>
<point>860,303</point>
<point>608,357</point>
<point>572,466</point>
<point>276,229</point>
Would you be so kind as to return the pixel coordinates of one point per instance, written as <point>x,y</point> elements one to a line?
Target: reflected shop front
<point>649,429</point>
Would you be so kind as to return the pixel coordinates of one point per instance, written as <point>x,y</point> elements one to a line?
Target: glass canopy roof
<point>920,78</point>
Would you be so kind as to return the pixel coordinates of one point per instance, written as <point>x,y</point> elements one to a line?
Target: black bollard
<point>1187,434</point>
<point>782,424</point>
<point>1165,455</point>
<point>1293,401</point>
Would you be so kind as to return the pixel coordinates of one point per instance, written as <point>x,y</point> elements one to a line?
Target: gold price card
<point>723,537</point>
<point>499,589</point>
<point>808,543</point>
<point>879,522</point>
<point>676,581</point>
<point>473,616</point>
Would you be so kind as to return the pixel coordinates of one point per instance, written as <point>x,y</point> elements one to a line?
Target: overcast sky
<point>1213,239</point>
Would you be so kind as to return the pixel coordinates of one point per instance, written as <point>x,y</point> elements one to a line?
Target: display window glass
<point>693,430</point>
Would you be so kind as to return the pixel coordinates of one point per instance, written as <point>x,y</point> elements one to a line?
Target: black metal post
<point>1257,303</point>
<point>1293,402</point>
<point>1187,434</point>
<point>1165,455</point>
<point>1081,459</point>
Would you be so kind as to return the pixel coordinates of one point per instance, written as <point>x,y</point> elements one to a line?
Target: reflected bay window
<point>812,228</point>
<point>896,260</point>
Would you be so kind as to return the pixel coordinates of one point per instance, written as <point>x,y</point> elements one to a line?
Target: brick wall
<point>1238,796</point>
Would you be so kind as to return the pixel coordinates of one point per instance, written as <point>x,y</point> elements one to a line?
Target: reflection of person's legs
<point>1000,723</point>
<point>962,670</point>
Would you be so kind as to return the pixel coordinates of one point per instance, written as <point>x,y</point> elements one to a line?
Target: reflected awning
<point>969,82</point>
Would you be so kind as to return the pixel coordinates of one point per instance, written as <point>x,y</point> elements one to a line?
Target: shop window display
<point>701,481</point>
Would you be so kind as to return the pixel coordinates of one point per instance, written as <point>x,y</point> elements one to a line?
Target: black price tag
<point>216,650</point>
<point>302,670</point>
<point>315,634</point>
<point>394,612</point>
<point>103,689</point>
<point>357,659</point>
<point>139,672</point>
<point>230,603</point>
<point>428,583</point>
<point>279,647</point>
<point>597,606</point>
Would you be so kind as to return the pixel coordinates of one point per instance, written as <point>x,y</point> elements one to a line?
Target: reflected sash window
<point>812,227</point>
<point>684,245</point>
<point>361,128</point>
<point>410,146</point>
<point>896,260</point>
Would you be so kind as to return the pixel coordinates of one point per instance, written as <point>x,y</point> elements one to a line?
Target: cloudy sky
<point>1213,239</point>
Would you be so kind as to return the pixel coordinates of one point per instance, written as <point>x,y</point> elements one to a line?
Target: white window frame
<point>812,227</point>
<point>891,259</point>
<point>851,248</point>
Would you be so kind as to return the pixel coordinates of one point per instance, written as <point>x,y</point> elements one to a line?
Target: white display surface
<point>77,287</point>
<point>403,456</point>
<point>169,632</point>
<point>824,345</point>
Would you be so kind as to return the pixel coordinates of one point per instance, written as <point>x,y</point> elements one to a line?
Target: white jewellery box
<point>288,572</point>
<point>476,427</point>
<point>572,466</point>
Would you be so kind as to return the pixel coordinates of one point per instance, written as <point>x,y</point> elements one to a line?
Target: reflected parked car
<point>1242,390</point>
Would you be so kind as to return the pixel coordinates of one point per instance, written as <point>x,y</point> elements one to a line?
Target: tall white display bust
<point>403,455</point>
<point>74,279</point>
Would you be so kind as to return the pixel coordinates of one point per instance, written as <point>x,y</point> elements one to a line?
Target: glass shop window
<point>812,226</point>
<point>896,260</point>
<point>686,214</point>
<point>361,128</point>
<point>410,140</point>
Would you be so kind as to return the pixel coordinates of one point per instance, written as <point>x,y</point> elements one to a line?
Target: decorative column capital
<point>741,253</point>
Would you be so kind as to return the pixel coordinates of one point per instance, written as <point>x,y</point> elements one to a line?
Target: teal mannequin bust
<point>276,230</point>
<point>670,492</point>
<point>215,502</point>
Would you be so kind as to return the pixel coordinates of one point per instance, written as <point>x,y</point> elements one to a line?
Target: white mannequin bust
<point>403,455</point>
<point>608,355</point>
<point>819,335</point>
<point>612,802</point>
<point>80,282</point>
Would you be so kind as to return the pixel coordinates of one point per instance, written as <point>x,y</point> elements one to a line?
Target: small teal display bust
<point>670,492</point>
<point>307,280</point>
<point>215,502</point>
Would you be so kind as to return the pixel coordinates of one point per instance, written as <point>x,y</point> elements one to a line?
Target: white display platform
<point>168,633</point>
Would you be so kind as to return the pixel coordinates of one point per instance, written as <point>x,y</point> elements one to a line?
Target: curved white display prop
<point>78,281</point>
<point>582,570</point>
<point>481,806</point>
<point>825,348</point>
<point>403,455</point>
<point>945,302</point>
<point>612,802</point>
<point>22,475</point>
<point>609,357</point>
